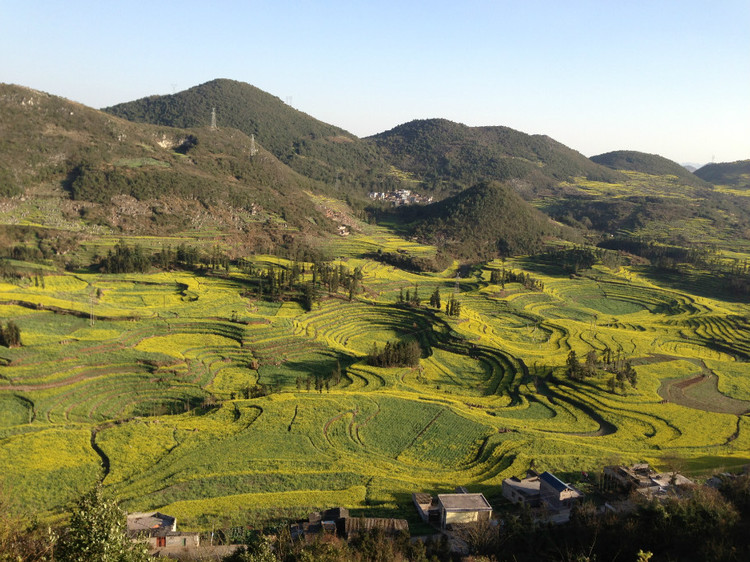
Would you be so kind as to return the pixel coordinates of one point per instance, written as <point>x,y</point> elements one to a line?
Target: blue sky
<point>665,77</point>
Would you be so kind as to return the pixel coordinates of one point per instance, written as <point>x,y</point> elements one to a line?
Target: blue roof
<point>553,481</point>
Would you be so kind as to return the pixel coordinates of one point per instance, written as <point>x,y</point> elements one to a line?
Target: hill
<point>448,157</point>
<point>652,164</point>
<point>49,142</point>
<point>311,147</point>
<point>735,174</point>
<point>483,221</point>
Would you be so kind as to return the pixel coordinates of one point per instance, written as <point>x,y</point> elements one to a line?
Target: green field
<point>145,386</point>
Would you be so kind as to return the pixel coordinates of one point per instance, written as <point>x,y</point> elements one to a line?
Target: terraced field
<point>146,381</point>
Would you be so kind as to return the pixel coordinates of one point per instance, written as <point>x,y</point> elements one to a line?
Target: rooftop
<point>553,481</point>
<point>464,502</point>
<point>152,523</point>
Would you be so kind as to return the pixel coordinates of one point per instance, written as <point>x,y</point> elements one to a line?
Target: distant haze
<point>597,76</point>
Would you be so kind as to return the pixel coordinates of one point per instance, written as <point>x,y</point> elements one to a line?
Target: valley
<point>186,391</point>
<point>206,313</point>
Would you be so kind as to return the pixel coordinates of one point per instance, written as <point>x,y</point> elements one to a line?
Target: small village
<point>543,499</point>
<point>400,197</point>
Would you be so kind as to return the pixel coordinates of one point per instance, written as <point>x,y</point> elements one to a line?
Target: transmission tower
<point>213,117</point>
<point>253,148</point>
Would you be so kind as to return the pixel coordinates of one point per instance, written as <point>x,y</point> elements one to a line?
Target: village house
<point>463,508</point>
<point>445,510</point>
<point>523,491</point>
<point>159,531</point>
<point>642,479</point>
<point>543,491</point>
<point>555,494</point>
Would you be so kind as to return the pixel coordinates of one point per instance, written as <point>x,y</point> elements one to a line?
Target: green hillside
<point>484,221</point>
<point>449,156</point>
<point>48,142</point>
<point>311,147</point>
<point>734,174</point>
<point>652,164</point>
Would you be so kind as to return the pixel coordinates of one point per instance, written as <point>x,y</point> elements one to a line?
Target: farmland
<point>151,383</point>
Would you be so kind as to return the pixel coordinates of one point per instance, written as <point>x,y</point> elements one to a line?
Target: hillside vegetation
<point>448,156</point>
<point>734,174</point>
<point>651,164</point>
<point>49,142</point>
<point>311,147</point>
<point>484,221</point>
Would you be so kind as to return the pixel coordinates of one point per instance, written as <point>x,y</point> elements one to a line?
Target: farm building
<point>456,509</point>
<point>542,490</point>
<point>628,478</point>
<point>159,531</point>
<point>427,507</point>
<point>336,521</point>
<point>523,491</point>
<point>643,479</point>
<point>555,494</point>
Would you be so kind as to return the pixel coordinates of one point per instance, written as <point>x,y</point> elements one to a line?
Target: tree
<point>575,371</point>
<point>258,550</point>
<point>23,539</point>
<point>415,300</point>
<point>97,533</point>
<point>435,298</point>
<point>453,307</point>
<point>10,335</point>
<point>589,367</point>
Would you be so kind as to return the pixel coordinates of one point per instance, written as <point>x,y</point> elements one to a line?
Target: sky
<point>658,76</point>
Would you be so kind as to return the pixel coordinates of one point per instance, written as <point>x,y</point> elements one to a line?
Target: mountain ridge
<point>95,156</point>
<point>734,174</point>
<point>654,164</point>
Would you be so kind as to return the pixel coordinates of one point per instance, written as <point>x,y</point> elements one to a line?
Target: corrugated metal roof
<point>553,481</point>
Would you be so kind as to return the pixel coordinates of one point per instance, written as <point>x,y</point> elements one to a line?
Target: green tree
<point>97,533</point>
<point>435,298</point>
<point>575,371</point>
<point>10,334</point>
<point>258,550</point>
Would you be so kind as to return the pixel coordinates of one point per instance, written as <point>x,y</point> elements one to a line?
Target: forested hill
<point>311,147</point>
<point>735,174</point>
<point>276,125</point>
<point>484,220</point>
<point>652,164</point>
<point>450,156</point>
<point>48,142</point>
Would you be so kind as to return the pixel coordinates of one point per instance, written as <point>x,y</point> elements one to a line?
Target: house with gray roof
<point>460,509</point>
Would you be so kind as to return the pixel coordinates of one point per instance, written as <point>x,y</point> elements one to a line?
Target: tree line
<point>398,354</point>
<point>622,369</point>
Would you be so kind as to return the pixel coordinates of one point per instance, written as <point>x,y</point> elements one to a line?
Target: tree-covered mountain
<point>652,164</point>
<point>484,221</point>
<point>735,174</point>
<point>311,147</point>
<point>48,142</point>
<point>448,157</point>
